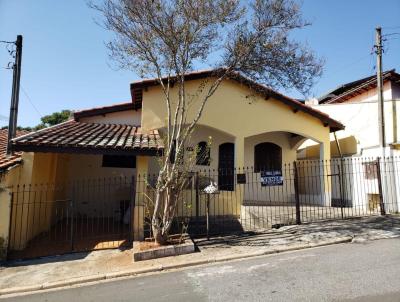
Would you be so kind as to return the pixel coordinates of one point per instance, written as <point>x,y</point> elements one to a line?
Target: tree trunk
<point>161,226</point>
<point>160,236</point>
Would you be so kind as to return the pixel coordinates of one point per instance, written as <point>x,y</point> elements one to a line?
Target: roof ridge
<point>367,81</point>
<point>260,88</point>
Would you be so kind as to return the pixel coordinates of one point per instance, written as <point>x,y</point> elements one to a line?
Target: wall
<point>128,117</point>
<point>235,111</point>
<point>270,194</point>
<point>235,114</point>
<point>361,121</point>
<point>371,94</point>
<point>33,197</point>
<point>98,188</point>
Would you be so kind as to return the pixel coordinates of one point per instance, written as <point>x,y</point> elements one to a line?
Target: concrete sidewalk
<point>52,272</point>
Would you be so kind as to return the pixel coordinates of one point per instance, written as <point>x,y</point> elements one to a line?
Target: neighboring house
<point>7,163</point>
<point>355,104</point>
<point>10,167</point>
<point>250,125</point>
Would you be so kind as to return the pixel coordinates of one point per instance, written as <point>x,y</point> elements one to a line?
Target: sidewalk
<point>77,268</point>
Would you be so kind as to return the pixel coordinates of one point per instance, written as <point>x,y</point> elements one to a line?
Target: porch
<point>76,194</point>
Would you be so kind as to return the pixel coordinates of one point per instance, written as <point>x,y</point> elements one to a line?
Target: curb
<point>159,268</point>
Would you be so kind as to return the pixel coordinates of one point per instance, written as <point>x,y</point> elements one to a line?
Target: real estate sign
<point>271,178</point>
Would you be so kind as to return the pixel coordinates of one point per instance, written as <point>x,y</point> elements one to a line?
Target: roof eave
<point>79,150</point>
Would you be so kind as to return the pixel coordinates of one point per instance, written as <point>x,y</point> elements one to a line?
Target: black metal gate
<point>83,215</point>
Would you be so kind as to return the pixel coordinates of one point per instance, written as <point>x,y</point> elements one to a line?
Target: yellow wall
<point>348,146</point>
<point>32,188</point>
<point>232,111</point>
<point>235,114</point>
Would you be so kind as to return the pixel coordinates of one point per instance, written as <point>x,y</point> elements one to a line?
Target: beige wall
<point>235,111</point>
<point>34,197</point>
<point>234,114</point>
<point>361,121</point>
<point>128,117</point>
<point>360,116</point>
<point>89,166</point>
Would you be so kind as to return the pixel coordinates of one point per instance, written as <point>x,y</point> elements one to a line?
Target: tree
<point>48,120</point>
<point>54,119</point>
<point>166,39</point>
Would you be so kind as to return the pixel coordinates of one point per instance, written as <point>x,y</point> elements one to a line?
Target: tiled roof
<point>347,91</point>
<point>7,161</point>
<point>79,137</point>
<point>265,91</point>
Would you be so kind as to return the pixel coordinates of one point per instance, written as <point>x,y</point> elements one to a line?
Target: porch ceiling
<point>79,137</point>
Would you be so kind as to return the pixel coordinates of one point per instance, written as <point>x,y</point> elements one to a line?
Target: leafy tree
<point>48,120</point>
<point>54,118</point>
<point>166,39</point>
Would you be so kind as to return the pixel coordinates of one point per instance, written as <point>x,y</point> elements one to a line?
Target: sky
<point>65,63</point>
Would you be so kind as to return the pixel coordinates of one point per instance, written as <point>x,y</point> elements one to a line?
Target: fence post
<point>379,176</point>
<point>72,216</point>
<point>340,187</point>
<point>132,210</point>
<point>196,183</point>
<point>296,193</point>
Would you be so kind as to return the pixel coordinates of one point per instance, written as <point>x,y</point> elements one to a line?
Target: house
<point>355,104</point>
<point>9,172</point>
<point>85,175</point>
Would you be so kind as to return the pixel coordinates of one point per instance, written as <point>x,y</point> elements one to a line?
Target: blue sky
<point>65,63</point>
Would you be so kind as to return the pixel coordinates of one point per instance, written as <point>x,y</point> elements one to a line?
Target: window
<point>203,154</point>
<point>119,161</point>
<point>226,165</point>
<point>267,157</point>
<point>370,170</point>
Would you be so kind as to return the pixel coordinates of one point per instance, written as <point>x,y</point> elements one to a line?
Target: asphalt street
<point>345,272</point>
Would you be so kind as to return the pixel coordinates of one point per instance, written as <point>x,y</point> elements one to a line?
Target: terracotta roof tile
<point>347,91</point>
<point>79,137</point>
<point>15,158</point>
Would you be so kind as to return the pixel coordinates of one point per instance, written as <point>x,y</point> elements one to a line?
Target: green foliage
<point>55,118</point>
<point>47,121</point>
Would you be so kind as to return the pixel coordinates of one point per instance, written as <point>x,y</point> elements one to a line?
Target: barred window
<point>118,161</point>
<point>203,154</point>
<point>370,170</point>
<point>267,157</point>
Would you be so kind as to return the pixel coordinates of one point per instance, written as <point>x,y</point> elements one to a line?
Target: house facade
<point>249,124</point>
<point>355,104</point>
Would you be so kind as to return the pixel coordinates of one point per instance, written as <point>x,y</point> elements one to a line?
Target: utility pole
<point>12,126</point>
<point>381,105</point>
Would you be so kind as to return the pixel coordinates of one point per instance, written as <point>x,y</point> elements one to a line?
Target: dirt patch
<point>149,243</point>
<point>176,245</point>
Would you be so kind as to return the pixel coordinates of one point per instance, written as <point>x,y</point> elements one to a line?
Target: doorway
<point>226,165</point>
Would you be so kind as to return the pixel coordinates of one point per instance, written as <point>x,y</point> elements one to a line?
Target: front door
<point>226,164</point>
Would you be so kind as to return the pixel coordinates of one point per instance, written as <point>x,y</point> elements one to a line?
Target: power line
<point>31,102</point>
<point>390,27</point>
<point>347,66</point>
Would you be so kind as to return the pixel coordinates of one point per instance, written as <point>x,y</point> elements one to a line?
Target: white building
<point>355,104</point>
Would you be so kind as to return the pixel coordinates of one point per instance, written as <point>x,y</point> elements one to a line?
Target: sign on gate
<point>271,178</point>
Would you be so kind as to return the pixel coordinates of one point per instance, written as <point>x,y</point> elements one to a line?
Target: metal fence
<point>84,215</point>
<point>302,191</point>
